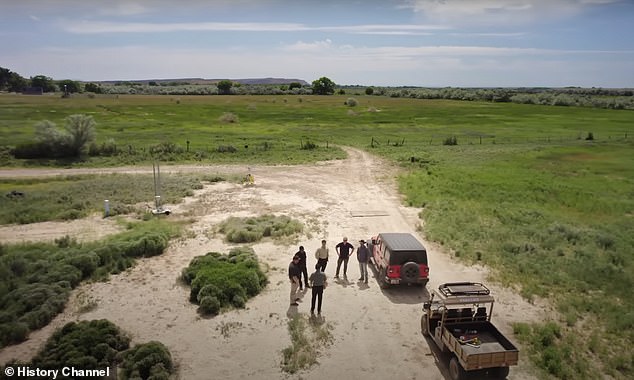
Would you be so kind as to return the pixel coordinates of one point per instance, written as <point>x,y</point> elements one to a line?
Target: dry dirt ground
<point>376,332</point>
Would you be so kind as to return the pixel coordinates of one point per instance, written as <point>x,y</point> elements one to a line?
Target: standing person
<point>321,254</point>
<point>363,255</point>
<point>344,250</point>
<point>302,267</point>
<point>319,282</point>
<point>293,275</point>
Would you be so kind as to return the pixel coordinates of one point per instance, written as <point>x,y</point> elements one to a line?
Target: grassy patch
<point>220,281</point>
<point>521,191</point>
<point>74,197</point>
<point>247,230</point>
<point>98,345</point>
<point>556,221</point>
<point>36,279</point>
<point>308,337</point>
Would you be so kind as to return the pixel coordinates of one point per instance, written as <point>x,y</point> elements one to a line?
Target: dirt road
<point>376,332</point>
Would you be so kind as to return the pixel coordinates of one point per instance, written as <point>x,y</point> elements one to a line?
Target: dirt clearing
<point>376,332</point>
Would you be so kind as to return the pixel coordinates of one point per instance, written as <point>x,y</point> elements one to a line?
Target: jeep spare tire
<point>410,272</point>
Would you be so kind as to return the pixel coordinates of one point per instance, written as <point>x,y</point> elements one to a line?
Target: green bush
<point>209,305</point>
<point>86,345</point>
<point>218,281</point>
<point>100,344</point>
<point>151,360</point>
<point>247,230</point>
<point>36,278</point>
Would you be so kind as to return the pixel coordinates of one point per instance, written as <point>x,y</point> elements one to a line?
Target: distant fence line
<point>433,140</point>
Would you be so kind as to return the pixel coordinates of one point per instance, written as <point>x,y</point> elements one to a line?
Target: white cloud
<point>96,27</point>
<point>387,65</point>
<point>499,12</point>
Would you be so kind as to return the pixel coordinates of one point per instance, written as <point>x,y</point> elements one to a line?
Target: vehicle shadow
<point>441,360</point>
<point>402,294</point>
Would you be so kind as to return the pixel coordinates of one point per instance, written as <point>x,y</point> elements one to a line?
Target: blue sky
<point>456,43</point>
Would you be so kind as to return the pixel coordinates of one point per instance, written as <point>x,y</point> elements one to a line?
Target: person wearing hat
<point>363,255</point>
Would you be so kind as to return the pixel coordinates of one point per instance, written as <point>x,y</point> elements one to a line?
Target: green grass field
<point>523,191</point>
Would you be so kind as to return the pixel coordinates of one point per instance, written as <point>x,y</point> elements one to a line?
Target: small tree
<point>80,133</point>
<point>369,90</point>
<point>323,86</point>
<point>293,85</point>
<point>44,82</point>
<point>224,87</point>
<point>91,87</point>
<point>69,86</point>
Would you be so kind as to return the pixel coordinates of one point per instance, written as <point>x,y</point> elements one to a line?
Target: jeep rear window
<point>402,257</point>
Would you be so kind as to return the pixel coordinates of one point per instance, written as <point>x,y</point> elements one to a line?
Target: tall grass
<point>74,197</point>
<point>556,221</point>
<point>271,130</point>
<point>308,337</point>
<point>251,229</point>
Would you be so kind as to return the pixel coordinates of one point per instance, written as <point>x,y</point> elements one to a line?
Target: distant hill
<point>210,81</point>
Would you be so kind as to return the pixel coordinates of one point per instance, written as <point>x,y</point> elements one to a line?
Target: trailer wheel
<point>499,372</point>
<point>456,372</point>
<point>424,325</point>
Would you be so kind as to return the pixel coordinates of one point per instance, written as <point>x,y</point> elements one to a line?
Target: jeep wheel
<point>410,272</point>
<point>424,325</point>
<point>456,372</point>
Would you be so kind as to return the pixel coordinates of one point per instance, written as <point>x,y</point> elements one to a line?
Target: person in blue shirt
<point>344,250</point>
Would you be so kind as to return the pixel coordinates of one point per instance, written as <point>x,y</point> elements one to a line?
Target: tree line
<point>610,98</point>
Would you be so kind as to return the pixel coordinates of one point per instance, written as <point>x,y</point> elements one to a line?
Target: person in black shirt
<point>293,275</point>
<point>344,250</point>
<point>302,267</point>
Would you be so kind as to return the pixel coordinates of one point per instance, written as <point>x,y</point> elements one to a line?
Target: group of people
<point>317,281</point>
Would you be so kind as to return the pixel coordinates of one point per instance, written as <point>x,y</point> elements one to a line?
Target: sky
<point>432,43</point>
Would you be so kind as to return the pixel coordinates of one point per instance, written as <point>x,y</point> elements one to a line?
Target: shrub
<point>219,281</point>
<point>209,305</point>
<point>229,118</point>
<point>308,145</point>
<point>151,360</point>
<point>450,141</point>
<point>209,290</point>
<point>351,102</point>
<point>86,345</point>
<point>246,230</point>
<point>36,278</point>
<point>165,148</point>
<point>226,149</point>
